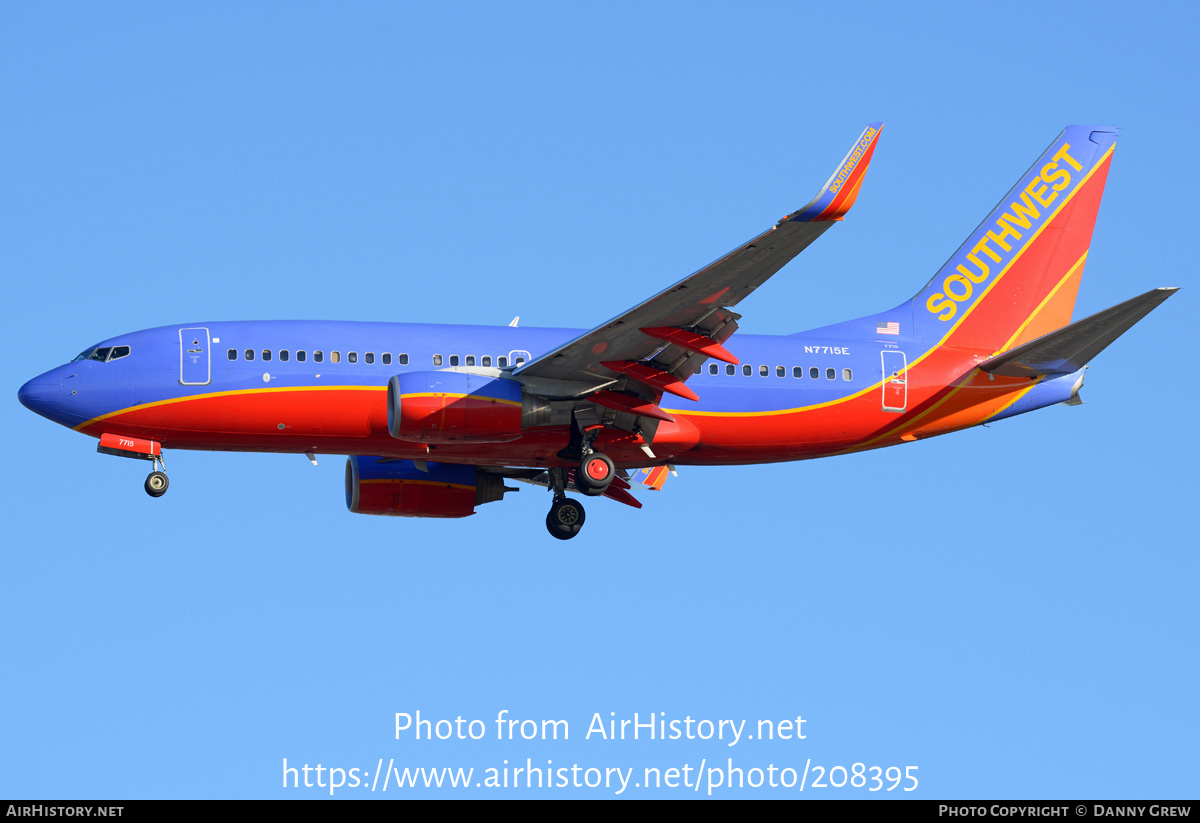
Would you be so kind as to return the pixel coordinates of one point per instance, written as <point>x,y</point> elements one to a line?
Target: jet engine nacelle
<point>453,407</point>
<point>398,488</point>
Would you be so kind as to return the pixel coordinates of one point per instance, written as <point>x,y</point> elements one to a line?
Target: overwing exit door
<point>895,381</point>
<point>195,368</point>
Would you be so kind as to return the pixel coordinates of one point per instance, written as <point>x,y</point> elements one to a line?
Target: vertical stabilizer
<point>1016,276</point>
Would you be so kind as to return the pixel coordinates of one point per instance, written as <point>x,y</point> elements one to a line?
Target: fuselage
<point>320,387</point>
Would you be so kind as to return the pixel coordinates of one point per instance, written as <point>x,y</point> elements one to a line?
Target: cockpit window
<point>118,352</point>
<point>100,353</point>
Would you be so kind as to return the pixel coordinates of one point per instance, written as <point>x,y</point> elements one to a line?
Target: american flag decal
<point>887,328</point>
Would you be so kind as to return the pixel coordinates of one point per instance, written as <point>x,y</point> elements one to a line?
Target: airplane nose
<point>41,395</point>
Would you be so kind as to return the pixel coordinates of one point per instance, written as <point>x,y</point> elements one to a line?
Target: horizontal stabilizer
<point>653,476</point>
<point>1072,347</point>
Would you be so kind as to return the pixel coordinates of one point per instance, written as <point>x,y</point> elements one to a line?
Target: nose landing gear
<point>121,445</point>
<point>157,482</point>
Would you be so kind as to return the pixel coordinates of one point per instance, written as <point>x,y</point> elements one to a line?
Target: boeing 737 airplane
<point>435,419</point>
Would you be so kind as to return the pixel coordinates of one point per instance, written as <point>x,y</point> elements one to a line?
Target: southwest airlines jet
<point>435,419</point>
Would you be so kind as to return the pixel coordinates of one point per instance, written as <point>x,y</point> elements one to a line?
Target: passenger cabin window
<point>763,371</point>
<point>369,357</point>
<point>437,360</point>
<point>831,374</point>
<point>779,371</point>
<point>283,355</point>
<point>730,369</point>
<point>387,358</point>
<point>352,357</point>
<point>266,354</point>
<point>249,354</point>
<point>233,354</point>
<point>486,362</point>
<point>797,372</point>
<point>748,370</point>
<point>814,372</point>
<point>454,360</point>
<point>318,356</point>
<point>502,362</point>
<point>301,355</point>
<point>470,361</point>
<point>404,360</point>
<point>335,357</point>
<point>712,368</point>
<point>519,361</point>
<point>847,375</point>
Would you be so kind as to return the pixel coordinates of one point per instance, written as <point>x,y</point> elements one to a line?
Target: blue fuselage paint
<point>153,371</point>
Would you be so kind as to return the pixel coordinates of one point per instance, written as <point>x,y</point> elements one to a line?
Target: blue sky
<point>1010,609</point>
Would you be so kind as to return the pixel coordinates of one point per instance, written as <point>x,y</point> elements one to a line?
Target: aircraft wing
<point>657,344</point>
<point>1072,347</point>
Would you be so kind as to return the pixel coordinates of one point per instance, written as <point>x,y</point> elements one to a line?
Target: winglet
<point>839,192</point>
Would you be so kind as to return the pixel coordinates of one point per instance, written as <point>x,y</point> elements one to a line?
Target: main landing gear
<point>593,475</point>
<point>156,481</point>
<point>595,471</point>
<point>566,516</point>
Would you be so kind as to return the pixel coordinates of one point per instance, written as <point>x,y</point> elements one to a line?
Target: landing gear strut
<point>566,516</point>
<point>156,481</point>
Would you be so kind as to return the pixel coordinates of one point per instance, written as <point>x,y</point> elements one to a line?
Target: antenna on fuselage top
<point>513,324</point>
